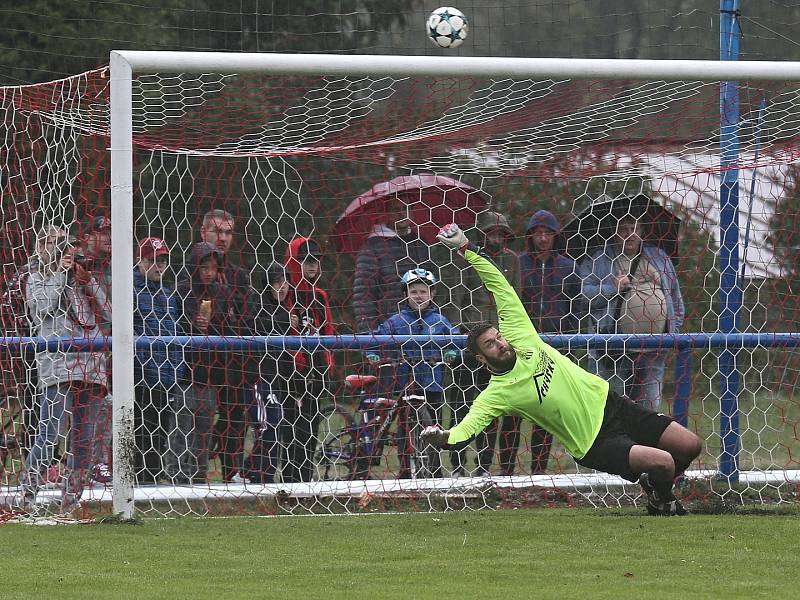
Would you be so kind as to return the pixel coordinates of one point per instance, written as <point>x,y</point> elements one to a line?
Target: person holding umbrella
<point>391,249</point>
<point>632,288</point>
<point>386,227</point>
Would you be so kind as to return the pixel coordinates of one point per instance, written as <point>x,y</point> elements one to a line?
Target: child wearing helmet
<point>418,315</point>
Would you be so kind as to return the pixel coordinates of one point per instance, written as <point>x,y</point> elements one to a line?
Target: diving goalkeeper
<point>531,379</point>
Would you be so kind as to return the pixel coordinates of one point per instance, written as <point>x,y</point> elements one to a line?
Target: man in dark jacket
<point>391,249</point>
<point>218,228</point>
<point>477,307</point>
<point>96,257</point>
<point>550,286</point>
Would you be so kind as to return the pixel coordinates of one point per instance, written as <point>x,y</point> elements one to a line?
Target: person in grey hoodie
<point>65,300</point>
<point>633,288</point>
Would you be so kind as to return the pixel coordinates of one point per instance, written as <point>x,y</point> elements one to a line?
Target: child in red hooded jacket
<point>311,306</point>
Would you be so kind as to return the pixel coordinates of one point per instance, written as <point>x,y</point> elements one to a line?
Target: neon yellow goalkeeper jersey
<point>544,386</point>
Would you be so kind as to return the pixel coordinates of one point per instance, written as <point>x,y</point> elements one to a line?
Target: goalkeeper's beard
<point>502,363</point>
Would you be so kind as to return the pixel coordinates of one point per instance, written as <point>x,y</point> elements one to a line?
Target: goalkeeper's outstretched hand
<point>435,436</point>
<point>452,237</point>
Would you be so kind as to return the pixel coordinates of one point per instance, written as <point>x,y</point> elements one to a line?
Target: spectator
<point>229,432</point>
<point>418,316</point>
<point>205,306</point>
<point>632,287</point>
<point>550,286</point>
<point>65,300</point>
<point>275,371</point>
<point>310,306</point>
<point>96,253</point>
<point>158,370</point>
<point>550,283</point>
<point>20,376</point>
<point>390,250</point>
<point>478,307</point>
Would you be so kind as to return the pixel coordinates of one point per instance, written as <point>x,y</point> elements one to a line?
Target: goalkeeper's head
<point>490,348</point>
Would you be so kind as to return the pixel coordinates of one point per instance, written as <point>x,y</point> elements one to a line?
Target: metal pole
<point>455,66</point>
<point>122,287</point>
<point>730,291</point>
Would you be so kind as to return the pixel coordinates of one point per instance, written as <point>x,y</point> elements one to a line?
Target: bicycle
<point>350,451</point>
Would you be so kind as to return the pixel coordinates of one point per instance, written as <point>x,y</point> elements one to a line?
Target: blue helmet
<point>420,275</point>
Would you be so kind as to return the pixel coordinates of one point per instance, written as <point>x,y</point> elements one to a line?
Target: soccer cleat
<point>658,505</point>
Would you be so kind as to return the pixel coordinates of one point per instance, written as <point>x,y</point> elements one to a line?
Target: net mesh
<point>338,185</point>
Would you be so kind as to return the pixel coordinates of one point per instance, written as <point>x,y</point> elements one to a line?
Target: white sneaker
<point>237,478</point>
<point>102,473</point>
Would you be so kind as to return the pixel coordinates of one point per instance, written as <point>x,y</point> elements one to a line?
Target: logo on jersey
<point>543,378</point>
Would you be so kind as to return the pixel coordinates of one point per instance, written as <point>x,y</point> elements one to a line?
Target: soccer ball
<point>447,27</point>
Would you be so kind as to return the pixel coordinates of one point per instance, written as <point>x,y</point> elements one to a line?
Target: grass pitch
<point>541,553</point>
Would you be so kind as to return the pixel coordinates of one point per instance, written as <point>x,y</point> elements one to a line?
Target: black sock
<point>662,488</point>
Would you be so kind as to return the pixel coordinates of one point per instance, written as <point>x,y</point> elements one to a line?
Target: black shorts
<point>625,425</point>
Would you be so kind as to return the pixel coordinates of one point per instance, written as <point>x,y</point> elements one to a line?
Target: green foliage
<point>51,39</point>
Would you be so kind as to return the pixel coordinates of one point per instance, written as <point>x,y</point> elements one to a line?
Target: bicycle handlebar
<point>411,363</point>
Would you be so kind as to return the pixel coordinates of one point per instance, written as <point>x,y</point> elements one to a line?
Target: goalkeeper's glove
<point>450,355</point>
<point>452,237</point>
<point>435,436</point>
<point>373,358</point>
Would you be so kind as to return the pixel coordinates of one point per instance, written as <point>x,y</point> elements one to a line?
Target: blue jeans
<point>637,375</point>
<point>80,402</point>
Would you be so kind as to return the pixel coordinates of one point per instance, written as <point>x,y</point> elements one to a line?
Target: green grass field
<point>575,553</point>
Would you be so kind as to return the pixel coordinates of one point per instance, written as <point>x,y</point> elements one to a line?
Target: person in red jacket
<point>311,307</point>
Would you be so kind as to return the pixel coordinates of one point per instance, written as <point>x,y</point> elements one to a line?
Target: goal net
<point>272,210</point>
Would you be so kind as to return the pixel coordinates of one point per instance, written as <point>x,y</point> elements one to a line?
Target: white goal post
<point>125,65</point>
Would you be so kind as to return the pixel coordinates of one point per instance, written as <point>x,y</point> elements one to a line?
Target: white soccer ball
<point>447,27</point>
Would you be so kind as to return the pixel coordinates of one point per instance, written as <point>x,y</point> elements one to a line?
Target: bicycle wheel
<point>335,453</point>
<point>425,461</point>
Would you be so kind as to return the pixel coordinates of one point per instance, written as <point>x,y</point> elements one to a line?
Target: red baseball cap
<point>152,247</point>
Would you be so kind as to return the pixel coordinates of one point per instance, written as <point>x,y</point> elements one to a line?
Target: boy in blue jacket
<point>158,370</point>
<point>418,315</point>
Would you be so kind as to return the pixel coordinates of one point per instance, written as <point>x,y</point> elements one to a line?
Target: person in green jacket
<point>532,380</point>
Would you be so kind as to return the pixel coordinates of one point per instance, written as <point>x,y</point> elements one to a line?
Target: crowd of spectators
<point>195,405</point>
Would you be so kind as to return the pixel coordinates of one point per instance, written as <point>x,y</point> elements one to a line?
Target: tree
<point>52,39</point>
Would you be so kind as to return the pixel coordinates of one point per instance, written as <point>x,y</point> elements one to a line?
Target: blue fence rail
<point>683,344</point>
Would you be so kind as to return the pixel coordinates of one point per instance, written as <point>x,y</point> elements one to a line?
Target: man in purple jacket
<point>549,285</point>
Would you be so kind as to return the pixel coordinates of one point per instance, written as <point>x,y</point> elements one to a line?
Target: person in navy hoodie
<point>418,315</point>
<point>550,289</point>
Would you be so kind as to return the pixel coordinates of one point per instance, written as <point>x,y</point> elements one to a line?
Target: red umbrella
<point>432,202</point>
